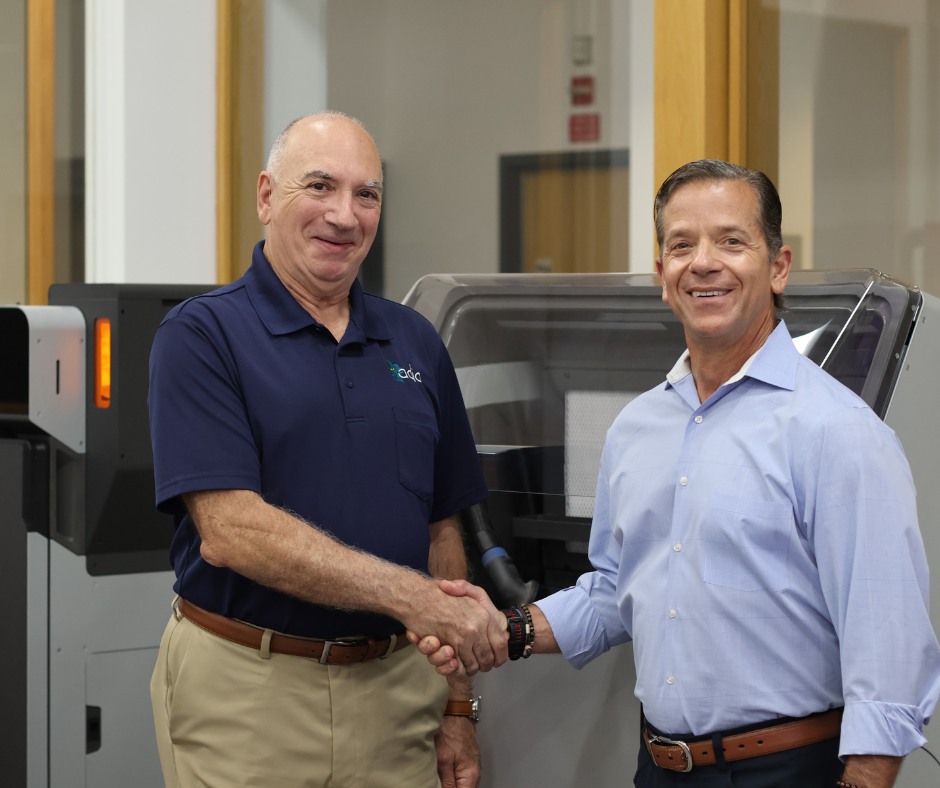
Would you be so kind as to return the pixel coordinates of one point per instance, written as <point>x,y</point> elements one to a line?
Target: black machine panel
<point>14,361</point>
<point>102,502</point>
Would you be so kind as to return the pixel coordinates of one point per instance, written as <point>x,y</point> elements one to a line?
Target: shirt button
<point>698,419</point>
<point>672,613</point>
<point>349,383</point>
<point>683,481</point>
<point>677,546</point>
<point>670,679</point>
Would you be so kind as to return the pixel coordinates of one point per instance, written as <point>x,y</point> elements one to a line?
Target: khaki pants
<point>226,717</point>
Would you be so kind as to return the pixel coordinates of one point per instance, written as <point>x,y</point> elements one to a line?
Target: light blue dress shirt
<point>762,551</point>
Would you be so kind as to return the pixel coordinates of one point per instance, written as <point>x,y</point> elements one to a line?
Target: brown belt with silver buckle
<point>680,756</point>
<point>329,652</point>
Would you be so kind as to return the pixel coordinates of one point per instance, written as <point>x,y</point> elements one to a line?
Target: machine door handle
<point>92,729</point>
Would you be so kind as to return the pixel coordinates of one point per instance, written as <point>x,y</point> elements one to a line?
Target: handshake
<point>460,630</point>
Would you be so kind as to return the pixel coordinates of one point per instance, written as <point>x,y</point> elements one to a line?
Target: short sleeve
<point>199,425</point>
<point>458,477</point>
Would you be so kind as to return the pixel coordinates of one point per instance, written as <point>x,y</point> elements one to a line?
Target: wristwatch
<point>464,708</point>
<point>521,632</point>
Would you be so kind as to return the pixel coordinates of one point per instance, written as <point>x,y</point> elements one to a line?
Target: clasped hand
<point>464,632</point>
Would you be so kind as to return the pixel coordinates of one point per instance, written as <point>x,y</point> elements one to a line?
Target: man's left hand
<point>458,756</point>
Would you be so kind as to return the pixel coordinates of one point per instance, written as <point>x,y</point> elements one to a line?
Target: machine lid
<point>546,361</point>
<point>42,352</point>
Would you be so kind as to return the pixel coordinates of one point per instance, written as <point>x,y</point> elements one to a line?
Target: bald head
<point>319,121</point>
<point>320,199</point>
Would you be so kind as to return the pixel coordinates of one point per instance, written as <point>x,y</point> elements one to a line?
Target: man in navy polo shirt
<point>312,443</point>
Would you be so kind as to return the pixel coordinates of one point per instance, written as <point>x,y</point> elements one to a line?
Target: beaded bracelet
<point>843,784</point>
<point>529,633</point>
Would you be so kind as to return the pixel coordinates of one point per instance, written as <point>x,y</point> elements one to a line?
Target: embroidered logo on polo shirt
<point>401,375</point>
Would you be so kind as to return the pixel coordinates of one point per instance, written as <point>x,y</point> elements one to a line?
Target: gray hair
<point>276,154</point>
<point>769,209</point>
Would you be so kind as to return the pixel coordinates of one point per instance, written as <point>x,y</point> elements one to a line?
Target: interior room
<point>521,146</point>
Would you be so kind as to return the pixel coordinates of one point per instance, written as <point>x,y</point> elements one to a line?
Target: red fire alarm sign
<point>584,128</point>
<point>582,90</point>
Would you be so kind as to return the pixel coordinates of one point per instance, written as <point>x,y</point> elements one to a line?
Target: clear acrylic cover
<point>546,362</point>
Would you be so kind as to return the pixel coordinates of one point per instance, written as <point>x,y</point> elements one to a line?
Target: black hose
<point>506,578</point>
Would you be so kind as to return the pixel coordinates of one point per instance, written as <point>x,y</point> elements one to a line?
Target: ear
<point>780,269</point>
<point>265,194</point>
<point>662,279</point>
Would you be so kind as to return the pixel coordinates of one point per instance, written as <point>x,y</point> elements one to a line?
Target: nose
<point>342,214</point>
<point>705,259</point>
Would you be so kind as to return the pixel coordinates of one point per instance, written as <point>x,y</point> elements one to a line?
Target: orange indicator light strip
<point>102,362</point>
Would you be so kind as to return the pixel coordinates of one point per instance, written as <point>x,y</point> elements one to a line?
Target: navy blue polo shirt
<point>367,437</point>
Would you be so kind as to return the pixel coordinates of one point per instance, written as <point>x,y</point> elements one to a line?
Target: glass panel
<point>13,152</point>
<point>69,141</point>
<point>545,364</point>
<point>860,136</point>
<point>504,127</point>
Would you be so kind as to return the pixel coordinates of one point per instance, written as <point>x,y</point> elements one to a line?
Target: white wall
<point>642,134</point>
<point>150,119</point>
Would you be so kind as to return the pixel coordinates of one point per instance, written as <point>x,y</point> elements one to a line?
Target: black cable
<point>931,755</point>
<point>512,589</point>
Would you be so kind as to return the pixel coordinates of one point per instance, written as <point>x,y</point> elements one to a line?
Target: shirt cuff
<point>577,627</point>
<point>874,728</point>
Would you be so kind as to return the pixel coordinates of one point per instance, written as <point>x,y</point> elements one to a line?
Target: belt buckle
<point>686,752</point>
<point>328,644</point>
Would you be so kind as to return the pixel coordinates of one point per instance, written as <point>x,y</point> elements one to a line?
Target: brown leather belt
<point>680,756</point>
<point>330,652</point>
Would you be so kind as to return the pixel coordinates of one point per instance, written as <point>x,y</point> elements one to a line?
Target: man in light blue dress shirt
<point>755,534</point>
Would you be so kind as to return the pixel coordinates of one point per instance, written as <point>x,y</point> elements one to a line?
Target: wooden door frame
<point>513,168</point>
<point>40,149</point>
<point>239,129</point>
<point>716,69</point>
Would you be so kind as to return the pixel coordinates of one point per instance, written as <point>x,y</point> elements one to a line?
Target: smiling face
<point>323,210</point>
<point>714,266</point>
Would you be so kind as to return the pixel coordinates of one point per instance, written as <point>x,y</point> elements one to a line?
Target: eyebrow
<point>325,176</point>
<point>734,228</point>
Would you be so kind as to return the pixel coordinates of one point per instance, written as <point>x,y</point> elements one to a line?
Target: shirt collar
<point>774,362</point>
<point>282,314</point>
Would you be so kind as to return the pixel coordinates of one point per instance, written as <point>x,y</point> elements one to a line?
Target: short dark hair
<point>769,210</point>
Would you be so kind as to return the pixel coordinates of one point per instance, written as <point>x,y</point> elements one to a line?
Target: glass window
<point>503,127</point>
<point>69,141</point>
<point>860,136</point>
<point>545,363</point>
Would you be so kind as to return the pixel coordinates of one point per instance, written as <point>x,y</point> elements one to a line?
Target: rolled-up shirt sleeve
<point>861,520</point>
<point>585,618</point>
